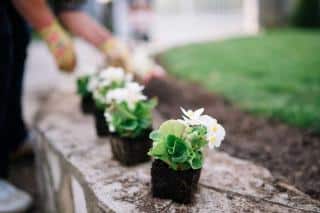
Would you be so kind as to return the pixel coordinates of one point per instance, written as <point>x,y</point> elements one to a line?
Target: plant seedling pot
<point>87,104</point>
<point>100,123</point>
<point>130,152</point>
<point>179,186</point>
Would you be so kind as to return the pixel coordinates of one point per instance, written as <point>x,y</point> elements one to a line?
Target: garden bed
<point>290,153</point>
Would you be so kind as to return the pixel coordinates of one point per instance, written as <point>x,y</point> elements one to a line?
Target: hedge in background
<point>307,13</point>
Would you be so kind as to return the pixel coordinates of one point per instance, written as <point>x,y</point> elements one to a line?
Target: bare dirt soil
<point>291,154</point>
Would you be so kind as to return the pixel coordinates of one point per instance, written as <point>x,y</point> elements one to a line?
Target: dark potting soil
<point>87,104</point>
<point>291,154</point>
<point>100,123</point>
<point>178,186</point>
<point>130,152</point>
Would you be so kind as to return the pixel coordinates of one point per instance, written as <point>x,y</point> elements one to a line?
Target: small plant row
<point>124,114</point>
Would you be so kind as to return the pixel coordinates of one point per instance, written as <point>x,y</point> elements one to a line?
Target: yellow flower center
<point>214,128</point>
<point>212,139</point>
<point>190,114</point>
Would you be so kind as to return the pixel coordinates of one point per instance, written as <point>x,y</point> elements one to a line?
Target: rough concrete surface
<point>75,165</point>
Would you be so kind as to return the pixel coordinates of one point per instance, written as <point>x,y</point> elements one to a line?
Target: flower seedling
<point>178,151</point>
<point>100,84</point>
<point>87,104</point>
<point>129,118</point>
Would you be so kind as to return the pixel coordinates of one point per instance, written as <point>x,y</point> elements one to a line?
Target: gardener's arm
<point>84,26</point>
<point>38,14</point>
<point>35,12</point>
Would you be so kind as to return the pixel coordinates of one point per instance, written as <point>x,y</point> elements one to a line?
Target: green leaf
<point>177,149</point>
<point>196,137</point>
<point>155,135</point>
<point>82,85</point>
<point>180,154</point>
<point>100,105</point>
<point>172,127</point>
<point>197,161</point>
<point>130,124</point>
<point>143,109</point>
<point>171,139</point>
<point>158,149</point>
<point>124,109</point>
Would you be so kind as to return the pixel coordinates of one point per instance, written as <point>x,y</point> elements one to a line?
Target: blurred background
<point>261,47</point>
<point>170,22</point>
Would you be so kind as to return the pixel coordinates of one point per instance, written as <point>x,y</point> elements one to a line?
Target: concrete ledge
<point>76,173</point>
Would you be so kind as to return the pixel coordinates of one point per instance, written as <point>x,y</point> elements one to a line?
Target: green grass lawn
<point>275,74</point>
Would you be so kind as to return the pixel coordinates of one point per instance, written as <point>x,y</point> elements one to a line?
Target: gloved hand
<point>144,67</point>
<point>60,45</point>
<point>157,72</point>
<point>117,54</point>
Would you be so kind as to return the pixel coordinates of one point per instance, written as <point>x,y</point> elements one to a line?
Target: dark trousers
<point>14,39</point>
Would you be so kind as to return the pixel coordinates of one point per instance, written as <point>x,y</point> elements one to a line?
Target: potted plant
<point>105,81</point>
<point>129,118</point>
<point>178,154</point>
<point>87,104</point>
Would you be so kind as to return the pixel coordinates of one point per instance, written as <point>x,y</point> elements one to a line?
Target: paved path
<point>42,76</point>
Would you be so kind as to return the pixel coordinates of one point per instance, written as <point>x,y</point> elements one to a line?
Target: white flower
<point>192,117</point>
<point>131,94</point>
<point>108,118</point>
<point>134,87</point>
<point>215,132</point>
<point>105,78</point>
<point>93,83</point>
<point>110,75</point>
<point>117,95</point>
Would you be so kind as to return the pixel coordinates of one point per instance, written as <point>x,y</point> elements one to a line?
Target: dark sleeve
<point>63,5</point>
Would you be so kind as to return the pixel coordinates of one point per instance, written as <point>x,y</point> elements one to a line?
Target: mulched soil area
<point>291,154</point>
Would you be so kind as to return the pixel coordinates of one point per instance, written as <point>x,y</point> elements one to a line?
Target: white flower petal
<point>111,128</point>
<point>211,145</point>
<point>183,111</point>
<point>198,112</point>
<point>131,94</point>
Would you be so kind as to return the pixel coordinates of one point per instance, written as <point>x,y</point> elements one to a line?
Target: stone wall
<point>76,173</point>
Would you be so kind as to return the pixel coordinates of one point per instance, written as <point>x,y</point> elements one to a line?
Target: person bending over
<point>15,16</point>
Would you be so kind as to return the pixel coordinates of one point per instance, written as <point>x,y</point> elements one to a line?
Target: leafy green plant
<point>130,122</point>
<point>179,145</point>
<point>82,85</point>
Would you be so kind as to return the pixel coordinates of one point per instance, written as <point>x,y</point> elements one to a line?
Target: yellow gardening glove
<point>117,54</point>
<point>60,45</point>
